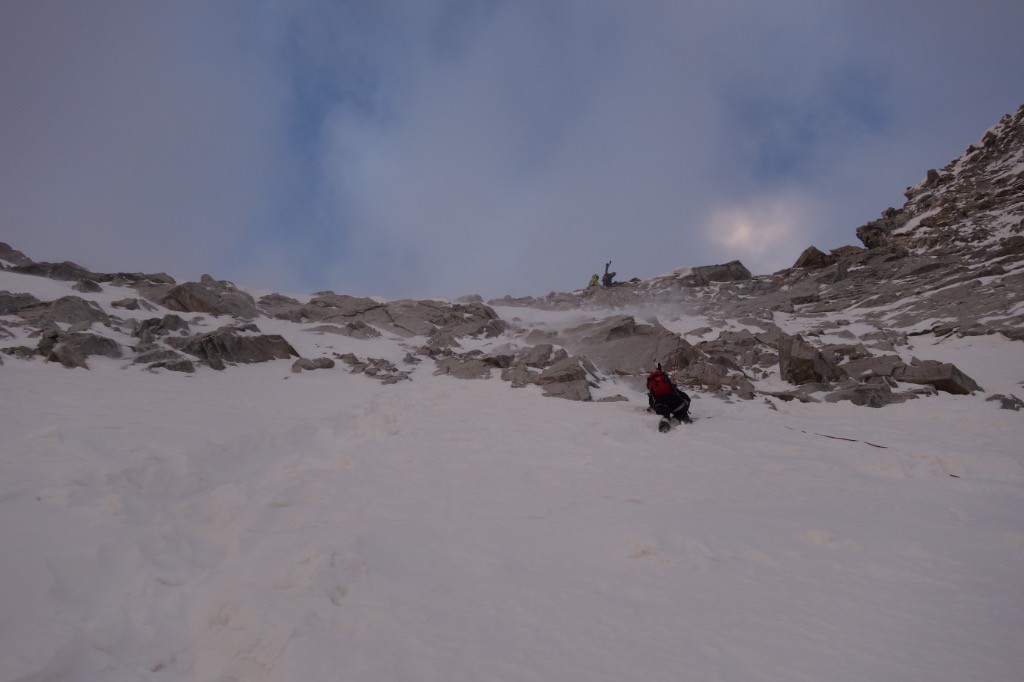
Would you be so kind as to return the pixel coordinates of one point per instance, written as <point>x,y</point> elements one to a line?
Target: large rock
<point>331,307</point>
<point>355,330</point>
<point>12,256</point>
<point>814,259</point>
<point>149,330</point>
<point>619,345</point>
<point>235,345</point>
<point>943,376</point>
<point>566,379</point>
<point>71,349</point>
<point>12,303</point>
<point>801,363</point>
<point>67,309</point>
<point>468,366</point>
<point>281,307</point>
<point>65,271</point>
<point>733,271</point>
<point>211,296</point>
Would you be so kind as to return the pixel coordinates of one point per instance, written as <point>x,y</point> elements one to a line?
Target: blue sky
<point>412,148</point>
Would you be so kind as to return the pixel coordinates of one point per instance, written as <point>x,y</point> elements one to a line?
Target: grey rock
<point>71,349</point>
<point>12,303</point>
<point>65,271</point>
<point>181,365</point>
<point>13,256</point>
<point>566,379</point>
<point>234,345</point>
<point>20,352</point>
<point>281,307</point>
<point>812,258</point>
<point>309,365</point>
<point>149,330</point>
<point>880,366</point>
<point>68,310</point>
<point>1007,402</point>
<point>355,330</point>
<point>732,271</point>
<point>468,366</point>
<point>620,345</point>
<point>943,376</point>
<point>868,395</point>
<point>617,398</point>
<point>801,363</point>
<point>87,286</point>
<point>211,296</point>
<point>126,303</point>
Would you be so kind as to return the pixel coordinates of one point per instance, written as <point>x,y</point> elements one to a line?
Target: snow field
<point>259,525</point>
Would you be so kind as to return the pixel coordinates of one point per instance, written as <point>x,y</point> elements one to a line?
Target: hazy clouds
<point>420,148</point>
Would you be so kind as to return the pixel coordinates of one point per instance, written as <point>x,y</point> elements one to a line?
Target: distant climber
<point>594,281</point>
<point>608,276</point>
<point>665,398</point>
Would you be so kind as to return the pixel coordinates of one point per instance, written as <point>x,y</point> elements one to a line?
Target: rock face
<point>976,200</point>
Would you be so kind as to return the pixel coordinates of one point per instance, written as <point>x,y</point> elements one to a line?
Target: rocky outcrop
<point>310,364</point>
<point>801,363</point>
<point>12,256</point>
<point>812,258</point>
<point>230,345</point>
<point>10,303</point>
<point>213,297</point>
<point>379,368</point>
<point>71,349</point>
<point>621,345</point>
<point>354,330</point>
<point>67,310</point>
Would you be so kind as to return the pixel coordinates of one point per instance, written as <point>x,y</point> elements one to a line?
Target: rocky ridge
<point>835,326</point>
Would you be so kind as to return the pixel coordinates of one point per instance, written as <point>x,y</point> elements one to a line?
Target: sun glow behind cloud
<point>762,232</point>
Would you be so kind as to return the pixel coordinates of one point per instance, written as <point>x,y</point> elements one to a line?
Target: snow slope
<point>255,524</point>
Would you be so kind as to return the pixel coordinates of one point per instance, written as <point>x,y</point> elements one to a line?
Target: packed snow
<point>255,524</point>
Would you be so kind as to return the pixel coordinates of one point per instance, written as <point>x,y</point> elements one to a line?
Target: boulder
<point>1006,402</point>
<point>566,379</point>
<point>801,363</point>
<point>867,395</point>
<point>467,366</point>
<point>281,307</point>
<point>211,296</point>
<point>331,307</point>
<point>126,303</point>
<point>814,259</point>
<point>87,286</point>
<point>148,330</point>
<point>944,376</point>
<point>67,309</point>
<point>733,271</point>
<point>309,365</point>
<point>12,256</point>
<point>355,330</point>
<point>620,345</point>
<point>71,349</point>
<point>20,352</point>
<point>234,345</point>
<point>12,303</point>
<point>65,271</point>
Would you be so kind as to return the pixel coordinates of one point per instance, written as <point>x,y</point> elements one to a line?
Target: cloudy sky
<point>444,147</point>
